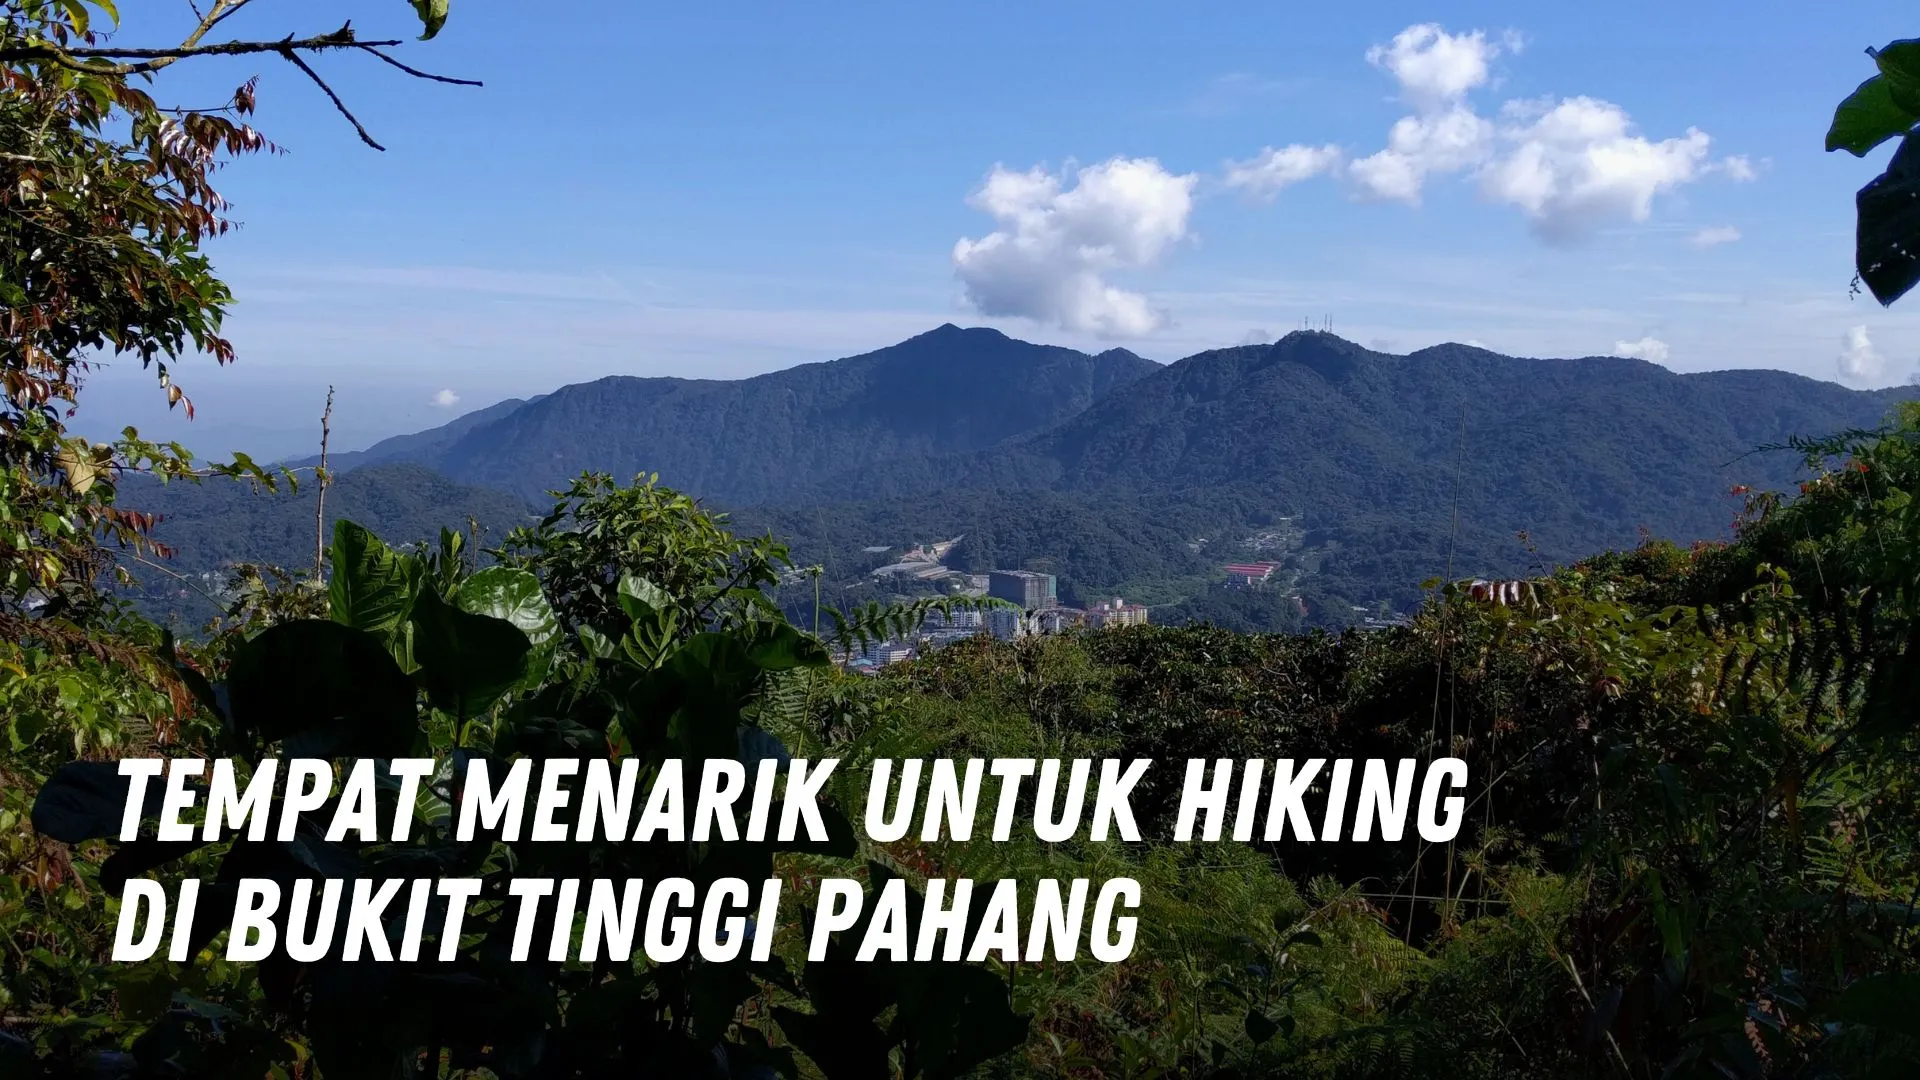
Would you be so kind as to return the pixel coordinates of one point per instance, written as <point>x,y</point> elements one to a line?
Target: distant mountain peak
<point>1333,357</point>
<point>948,330</point>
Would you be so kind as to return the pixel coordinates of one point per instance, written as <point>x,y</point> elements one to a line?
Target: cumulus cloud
<point>1578,164</point>
<point>445,399</point>
<point>1714,236</point>
<point>1055,244</point>
<point>1647,348</point>
<point>1570,165</point>
<point>1433,66</point>
<point>1264,175</point>
<point>1418,146</point>
<point>1859,360</point>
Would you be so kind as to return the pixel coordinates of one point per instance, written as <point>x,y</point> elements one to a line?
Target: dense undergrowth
<point>1691,847</point>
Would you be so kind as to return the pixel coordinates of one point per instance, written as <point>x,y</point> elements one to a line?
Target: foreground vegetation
<point>1694,808</point>
<point>1692,849</point>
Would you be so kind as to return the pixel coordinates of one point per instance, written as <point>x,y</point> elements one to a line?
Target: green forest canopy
<point>1695,852</point>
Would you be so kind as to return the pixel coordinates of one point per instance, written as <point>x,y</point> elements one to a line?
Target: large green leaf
<point>641,599</point>
<point>1888,1001</point>
<point>509,593</point>
<point>372,586</point>
<point>137,857</point>
<point>466,660</point>
<point>84,800</point>
<point>433,15</point>
<point>1868,117</point>
<point>1899,62</point>
<point>778,646</point>
<point>1887,240</point>
<point>325,690</point>
<point>853,1051</point>
<point>506,592</point>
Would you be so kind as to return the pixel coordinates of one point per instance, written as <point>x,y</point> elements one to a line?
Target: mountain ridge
<point>746,440</point>
<point>1112,471</point>
<point>1274,414</point>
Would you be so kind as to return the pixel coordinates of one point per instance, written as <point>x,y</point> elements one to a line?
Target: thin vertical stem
<point>320,501</point>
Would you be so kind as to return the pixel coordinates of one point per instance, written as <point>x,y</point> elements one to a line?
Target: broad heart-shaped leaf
<point>325,690</point>
<point>1900,63</point>
<point>1887,237</point>
<point>466,660</point>
<point>843,1051</point>
<point>84,800</point>
<point>433,15</point>
<point>778,646</point>
<point>1868,117</point>
<point>955,1018</point>
<point>372,586</point>
<point>641,598</point>
<point>1887,1001</point>
<point>138,856</point>
<point>509,593</point>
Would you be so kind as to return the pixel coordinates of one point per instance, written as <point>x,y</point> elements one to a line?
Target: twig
<point>294,58</point>
<point>413,71</point>
<point>320,499</point>
<point>214,17</point>
<point>183,579</point>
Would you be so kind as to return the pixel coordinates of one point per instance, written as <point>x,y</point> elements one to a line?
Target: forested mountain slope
<point>753,440</point>
<point>211,525</point>
<point>1581,454</point>
<point>1114,472</point>
<point>420,447</point>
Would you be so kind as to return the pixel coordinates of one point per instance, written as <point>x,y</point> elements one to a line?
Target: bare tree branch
<point>294,58</point>
<point>101,60</point>
<point>155,59</point>
<point>221,9</point>
<point>368,47</point>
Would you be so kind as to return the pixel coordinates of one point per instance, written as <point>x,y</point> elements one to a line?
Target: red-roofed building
<point>1249,575</point>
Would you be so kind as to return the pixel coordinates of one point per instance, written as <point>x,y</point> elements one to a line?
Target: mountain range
<point>1579,453</point>
<point>1117,472</point>
<point>748,441</point>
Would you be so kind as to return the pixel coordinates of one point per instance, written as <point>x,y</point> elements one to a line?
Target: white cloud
<point>1054,244</point>
<point>1577,165</point>
<point>1714,236</point>
<point>1859,360</point>
<point>1434,67</point>
<point>445,399</point>
<point>1647,348</point>
<point>1264,175</point>
<point>1438,142</point>
<point>1570,165</point>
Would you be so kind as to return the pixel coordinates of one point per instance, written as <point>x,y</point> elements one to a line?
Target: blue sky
<point>721,190</point>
